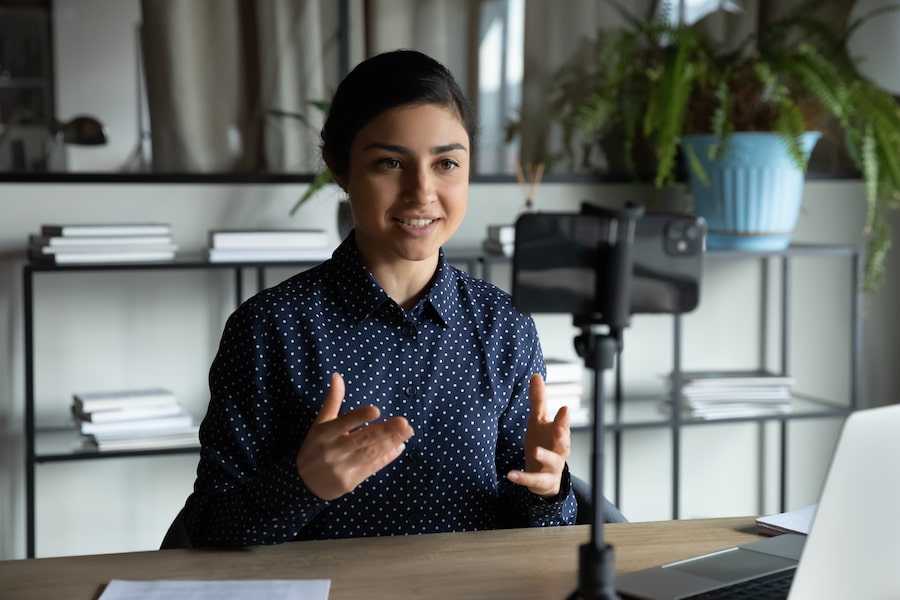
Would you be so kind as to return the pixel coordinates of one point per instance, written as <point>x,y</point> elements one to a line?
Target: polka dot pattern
<point>456,366</point>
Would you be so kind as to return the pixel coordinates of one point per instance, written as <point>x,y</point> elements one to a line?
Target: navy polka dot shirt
<point>456,366</point>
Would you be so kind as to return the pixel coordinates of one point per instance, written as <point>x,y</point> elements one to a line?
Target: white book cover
<point>123,249</point>
<point>157,425</point>
<point>97,257</point>
<point>559,370</point>
<point>111,399</point>
<point>272,238</point>
<point>100,240</point>
<point>128,413</point>
<point>564,388</point>
<point>505,234</point>
<point>495,247</point>
<point>268,254</point>
<point>187,440</point>
<point>103,229</point>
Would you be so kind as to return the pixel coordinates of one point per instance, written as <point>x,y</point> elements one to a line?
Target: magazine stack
<point>500,239</point>
<point>565,387</point>
<point>133,420</point>
<point>268,245</point>
<point>735,394</point>
<point>102,243</point>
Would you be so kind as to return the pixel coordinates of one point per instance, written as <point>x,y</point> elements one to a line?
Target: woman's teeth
<point>416,222</point>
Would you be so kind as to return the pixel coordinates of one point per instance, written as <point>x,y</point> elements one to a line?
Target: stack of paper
<point>268,245</point>
<point>147,418</point>
<point>501,239</point>
<point>794,521</point>
<point>564,386</point>
<point>725,394</point>
<point>102,243</point>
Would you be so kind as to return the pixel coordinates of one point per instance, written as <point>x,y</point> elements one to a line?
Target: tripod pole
<point>596,559</point>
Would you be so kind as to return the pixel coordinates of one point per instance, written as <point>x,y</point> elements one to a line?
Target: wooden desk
<point>520,563</point>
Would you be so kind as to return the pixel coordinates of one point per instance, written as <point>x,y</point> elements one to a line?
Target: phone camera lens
<point>692,232</point>
<point>675,231</point>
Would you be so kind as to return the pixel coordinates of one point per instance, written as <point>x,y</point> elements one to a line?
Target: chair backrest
<point>176,536</point>
<point>583,498</point>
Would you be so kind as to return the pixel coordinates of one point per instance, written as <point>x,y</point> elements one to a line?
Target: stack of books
<point>501,239</point>
<point>564,386</point>
<point>267,245</point>
<point>102,243</point>
<point>730,394</point>
<point>133,419</point>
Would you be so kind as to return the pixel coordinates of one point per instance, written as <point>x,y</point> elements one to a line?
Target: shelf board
<point>646,412</point>
<point>55,445</point>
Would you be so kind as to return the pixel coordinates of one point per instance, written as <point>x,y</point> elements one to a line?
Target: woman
<point>384,391</point>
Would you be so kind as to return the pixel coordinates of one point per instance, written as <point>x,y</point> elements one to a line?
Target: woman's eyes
<point>445,164</point>
<point>389,163</point>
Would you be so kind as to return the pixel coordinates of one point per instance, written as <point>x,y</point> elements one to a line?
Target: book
<point>561,371</point>
<point>89,402</point>
<point>123,249</point>
<point>268,254</point>
<point>97,257</point>
<point>564,388</point>
<point>127,413</point>
<point>495,247</point>
<point>105,229</point>
<point>126,428</point>
<point>741,378</point>
<point>98,240</point>
<point>174,438</point>
<point>268,238</point>
<point>504,234</point>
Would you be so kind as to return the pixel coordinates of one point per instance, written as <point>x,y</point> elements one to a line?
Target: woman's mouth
<point>416,222</point>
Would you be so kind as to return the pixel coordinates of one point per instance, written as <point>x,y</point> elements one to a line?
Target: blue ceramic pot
<point>753,198</point>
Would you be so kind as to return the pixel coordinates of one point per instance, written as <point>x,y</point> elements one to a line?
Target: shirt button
<point>408,331</point>
<point>410,391</point>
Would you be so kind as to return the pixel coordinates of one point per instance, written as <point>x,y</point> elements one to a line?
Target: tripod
<point>596,559</point>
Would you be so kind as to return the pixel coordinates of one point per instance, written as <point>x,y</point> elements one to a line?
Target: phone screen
<point>557,257</point>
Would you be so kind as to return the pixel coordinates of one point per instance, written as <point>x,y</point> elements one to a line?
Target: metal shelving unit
<point>627,413</point>
<point>46,446</point>
<point>65,444</point>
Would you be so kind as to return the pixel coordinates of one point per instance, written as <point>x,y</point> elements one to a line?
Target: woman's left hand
<point>547,445</point>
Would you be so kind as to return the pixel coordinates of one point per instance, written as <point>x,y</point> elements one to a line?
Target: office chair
<point>176,536</point>
<point>582,490</point>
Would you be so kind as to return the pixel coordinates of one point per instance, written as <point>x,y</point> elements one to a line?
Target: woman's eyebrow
<point>403,150</point>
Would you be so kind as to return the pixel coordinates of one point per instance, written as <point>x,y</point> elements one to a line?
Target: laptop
<point>853,547</point>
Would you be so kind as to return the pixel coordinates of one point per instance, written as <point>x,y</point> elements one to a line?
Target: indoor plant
<point>649,85</point>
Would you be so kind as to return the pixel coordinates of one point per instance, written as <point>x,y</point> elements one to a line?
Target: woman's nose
<point>421,187</point>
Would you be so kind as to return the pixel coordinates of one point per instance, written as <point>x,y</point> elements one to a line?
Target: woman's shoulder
<point>297,290</point>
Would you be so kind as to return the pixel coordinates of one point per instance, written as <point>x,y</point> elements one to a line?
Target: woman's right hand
<point>341,451</point>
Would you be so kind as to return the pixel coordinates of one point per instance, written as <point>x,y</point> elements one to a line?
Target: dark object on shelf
<point>82,130</point>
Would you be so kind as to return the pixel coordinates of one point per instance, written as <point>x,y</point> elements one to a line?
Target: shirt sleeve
<point>247,489</point>
<point>517,506</point>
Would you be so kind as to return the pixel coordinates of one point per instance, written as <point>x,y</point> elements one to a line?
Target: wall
<point>122,329</point>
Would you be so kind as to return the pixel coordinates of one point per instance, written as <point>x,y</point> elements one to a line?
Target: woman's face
<point>408,182</point>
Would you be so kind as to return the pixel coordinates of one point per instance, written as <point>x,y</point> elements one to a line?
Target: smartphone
<point>558,264</point>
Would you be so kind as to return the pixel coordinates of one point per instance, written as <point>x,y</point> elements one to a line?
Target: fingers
<point>545,480</point>
<point>538,396</point>
<point>331,406</point>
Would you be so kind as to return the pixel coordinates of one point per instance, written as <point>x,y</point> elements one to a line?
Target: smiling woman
<point>386,327</point>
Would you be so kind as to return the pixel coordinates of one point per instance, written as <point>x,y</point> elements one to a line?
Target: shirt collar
<point>362,296</point>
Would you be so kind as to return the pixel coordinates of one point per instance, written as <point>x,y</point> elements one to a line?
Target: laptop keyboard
<point>767,587</point>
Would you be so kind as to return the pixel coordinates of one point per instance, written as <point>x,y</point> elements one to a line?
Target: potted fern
<point>653,86</point>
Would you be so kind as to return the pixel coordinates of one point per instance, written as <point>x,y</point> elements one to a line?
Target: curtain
<point>230,83</point>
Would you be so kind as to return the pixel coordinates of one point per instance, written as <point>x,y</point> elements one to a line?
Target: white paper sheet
<point>278,589</point>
